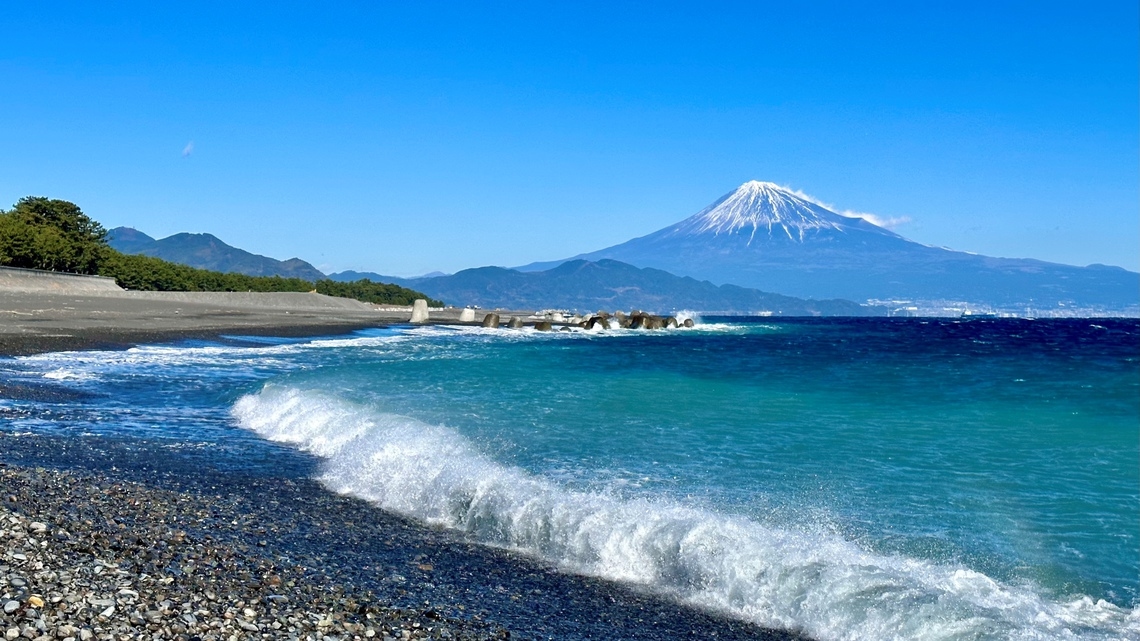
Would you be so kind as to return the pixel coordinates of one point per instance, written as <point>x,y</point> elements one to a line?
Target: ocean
<point>849,478</point>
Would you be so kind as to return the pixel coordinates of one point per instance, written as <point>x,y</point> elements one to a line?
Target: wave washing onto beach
<point>816,582</point>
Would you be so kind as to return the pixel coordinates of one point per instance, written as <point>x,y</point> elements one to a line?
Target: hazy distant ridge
<point>581,285</point>
<point>607,284</point>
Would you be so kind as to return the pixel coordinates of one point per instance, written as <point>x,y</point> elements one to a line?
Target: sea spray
<point>797,579</point>
<point>688,314</point>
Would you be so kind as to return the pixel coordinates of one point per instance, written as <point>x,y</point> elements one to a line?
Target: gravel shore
<point>32,322</point>
<point>128,542</point>
<point>88,559</point>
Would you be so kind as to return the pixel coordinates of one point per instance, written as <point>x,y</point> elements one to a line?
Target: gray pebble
<point>124,535</point>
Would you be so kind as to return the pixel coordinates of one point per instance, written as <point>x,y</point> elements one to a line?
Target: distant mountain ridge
<point>767,237</point>
<point>580,285</point>
<point>608,284</point>
<point>349,275</point>
<point>206,251</point>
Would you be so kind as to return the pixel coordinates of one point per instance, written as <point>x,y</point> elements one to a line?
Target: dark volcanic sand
<point>343,555</point>
<point>32,322</point>
<point>35,322</point>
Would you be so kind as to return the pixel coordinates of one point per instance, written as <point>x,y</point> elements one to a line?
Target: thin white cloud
<point>874,219</point>
<point>188,149</point>
<point>888,223</point>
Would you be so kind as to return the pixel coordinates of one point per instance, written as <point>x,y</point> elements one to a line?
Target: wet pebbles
<point>215,553</point>
<point>80,559</point>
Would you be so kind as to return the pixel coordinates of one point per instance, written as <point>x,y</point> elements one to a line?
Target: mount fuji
<point>768,237</point>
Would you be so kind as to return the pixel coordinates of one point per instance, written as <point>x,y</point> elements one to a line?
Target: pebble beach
<point>107,541</point>
<point>89,559</point>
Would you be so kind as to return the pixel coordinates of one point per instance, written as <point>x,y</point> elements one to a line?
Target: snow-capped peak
<point>763,208</point>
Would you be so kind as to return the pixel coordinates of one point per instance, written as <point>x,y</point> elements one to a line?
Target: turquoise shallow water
<point>853,478</point>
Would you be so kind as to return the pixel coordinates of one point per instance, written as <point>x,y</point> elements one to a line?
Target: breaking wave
<point>817,582</point>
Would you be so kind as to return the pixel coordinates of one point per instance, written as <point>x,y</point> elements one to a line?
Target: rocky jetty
<point>634,320</point>
<point>554,320</point>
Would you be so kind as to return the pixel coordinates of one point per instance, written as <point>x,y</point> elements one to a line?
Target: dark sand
<point>34,322</point>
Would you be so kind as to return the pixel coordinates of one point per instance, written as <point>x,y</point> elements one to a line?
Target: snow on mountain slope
<point>771,238</point>
<point>769,210</point>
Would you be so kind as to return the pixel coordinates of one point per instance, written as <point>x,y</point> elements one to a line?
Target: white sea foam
<point>63,374</point>
<point>82,365</point>
<point>77,366</point>
<point>688,314</point>
<point>815,582</point>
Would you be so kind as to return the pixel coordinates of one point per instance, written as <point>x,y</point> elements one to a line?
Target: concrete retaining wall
<point>35,280</point>
<point>268,300</point>
<point>13,279</point>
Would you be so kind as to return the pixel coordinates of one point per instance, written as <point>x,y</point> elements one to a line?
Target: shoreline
<point>44,321</point>
<point>35,322</point>
<point>124,498</point>
<point>12,345</point>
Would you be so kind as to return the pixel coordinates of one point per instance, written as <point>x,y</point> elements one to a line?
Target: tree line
<point>55,235</point>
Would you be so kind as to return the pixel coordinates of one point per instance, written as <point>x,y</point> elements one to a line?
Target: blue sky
<point>409,137</point>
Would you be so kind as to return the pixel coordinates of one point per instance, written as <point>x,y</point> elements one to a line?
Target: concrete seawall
<point>260,300</point>
<point>35,280</point>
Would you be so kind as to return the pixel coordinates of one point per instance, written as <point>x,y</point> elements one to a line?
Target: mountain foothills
<point>609,284</point>
<point>582,285</point>
<point>206,251</point>
<point>55,235</point>
<point>768,237</point>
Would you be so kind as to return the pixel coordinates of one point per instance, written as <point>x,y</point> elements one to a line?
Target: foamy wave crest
<point>63,374</point>
<point>818,583</point>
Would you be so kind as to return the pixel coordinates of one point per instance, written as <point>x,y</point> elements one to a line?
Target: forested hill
<point>55,235</point>
<point>206,251</point>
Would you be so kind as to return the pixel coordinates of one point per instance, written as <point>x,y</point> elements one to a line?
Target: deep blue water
<point>855,478</point>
